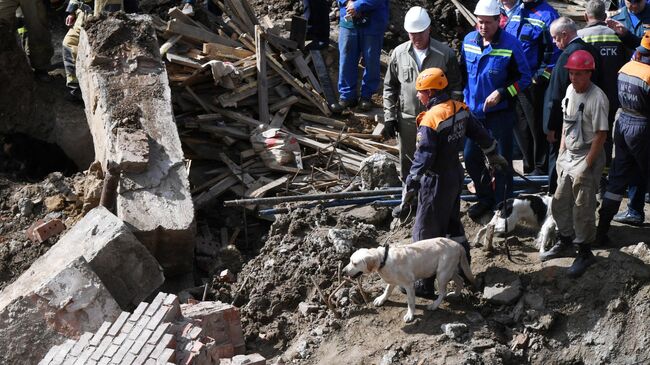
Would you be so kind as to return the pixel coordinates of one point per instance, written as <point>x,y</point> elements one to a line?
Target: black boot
<point>585,259</point>
<point>608,209</point>
<point>562,248</point>
<point>424,288</point>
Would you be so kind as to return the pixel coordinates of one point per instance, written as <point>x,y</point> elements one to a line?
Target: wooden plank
<point>323,120</point>
<point>225,131</point>
<point>230,99</point>
<point>214,192</point>
<point>262,82</point>
<point>298,31</point>
<point>182,60</point>
<point>198,34</point>
<point>283,103</point>
<point>305,71</point>
<point>323,76</point>
<point>237,10</point>
<point>261,191</point>
<point>279,117</point>
<point>280,42</point>
<point>169,44</point>
<point>245,178</point>
<point>210,183</point>
<point>253,123</point>
<point>217,48</point>
<point>308,93</point>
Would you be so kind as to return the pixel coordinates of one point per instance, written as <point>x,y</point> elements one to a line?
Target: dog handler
<point>580,162</point>
<point>436,175</point>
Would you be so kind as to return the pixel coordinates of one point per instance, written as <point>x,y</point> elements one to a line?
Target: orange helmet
<point>431,78</point>
<point>645,43</point>
<point>580,60</point>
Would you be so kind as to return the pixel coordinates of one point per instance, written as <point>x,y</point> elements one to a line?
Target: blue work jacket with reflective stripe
<point>501,65</point>
<point>636,25</point>
<point>375,11</point>
<point>530,23</point>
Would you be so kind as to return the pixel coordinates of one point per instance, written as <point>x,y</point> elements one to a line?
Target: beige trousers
<point>574,202</point>
<point>39,40</point>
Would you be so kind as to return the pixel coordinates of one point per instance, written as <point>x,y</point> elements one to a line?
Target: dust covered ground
<point>599,318</point>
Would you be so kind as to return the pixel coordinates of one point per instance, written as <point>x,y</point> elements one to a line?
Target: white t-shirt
<point>420,54</point>
<point>594,116</point>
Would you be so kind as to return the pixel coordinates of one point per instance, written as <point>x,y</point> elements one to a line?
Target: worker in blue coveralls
<point>630,23</point>
<point>530,22</point>
<point>436,176</point>
<point>497,70</point>
<point>362,24</point>
<point>631,135</point>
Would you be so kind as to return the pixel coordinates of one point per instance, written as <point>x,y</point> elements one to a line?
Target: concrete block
<point>55,299</point>
<point>123,264</point>
<point>130,90</point>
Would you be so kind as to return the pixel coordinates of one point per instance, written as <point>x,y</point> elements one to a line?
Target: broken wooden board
<point>323,77</point>
<point>303,69</point>
<point>298,31</point>
<point>262,82</point>
<point>198,34</point>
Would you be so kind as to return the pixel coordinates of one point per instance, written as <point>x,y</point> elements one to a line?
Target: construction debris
<point>128,107</point>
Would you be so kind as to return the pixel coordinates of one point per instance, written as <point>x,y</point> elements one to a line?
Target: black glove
<point>497,162</point>
<point>390,129</point>
<point>412,188</point>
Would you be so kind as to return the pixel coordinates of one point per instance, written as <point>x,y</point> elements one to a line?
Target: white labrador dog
<point>403,265</point>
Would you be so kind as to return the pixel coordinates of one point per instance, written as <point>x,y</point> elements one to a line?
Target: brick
<point>128,359</point>
<point>155,304</point>
<point>151,361</point>
<point>64,349</point>
<point>117,325</point>
<point>104,361</point>
<point>97,338</point>
<point>166,356</point>
<point>81,344</point>
<point>158,333</point>
<point>41,231</point>
<point>172,313</point>
<point>138,312</point>
<point>164,342</point>
<point>112,349</point>
<point>85,355</point>
<point>99,352</point>
<point>140,342</point>
<point>120,338</point>
<point>225,350</point>
<point>144,354</point>
<point>126,329</point>
<point>139,327</point>
<point>49,356</point>
<point>117,358</point>
<point>157,319</point>
<point>171,299</point>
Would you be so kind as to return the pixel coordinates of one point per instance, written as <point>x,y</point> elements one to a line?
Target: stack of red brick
<point>160,333</point>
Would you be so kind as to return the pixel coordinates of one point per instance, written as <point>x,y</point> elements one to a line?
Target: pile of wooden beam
<point>236,74</point>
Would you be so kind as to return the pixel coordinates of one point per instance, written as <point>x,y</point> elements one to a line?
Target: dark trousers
<point>500,125</point>
<point>529,132</point>
<point>631,163</point>
<point>553,151</point>
<point>317,13</point>
<point>438,212</point>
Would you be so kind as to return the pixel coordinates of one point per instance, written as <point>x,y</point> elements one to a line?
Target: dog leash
<point>504,212</point>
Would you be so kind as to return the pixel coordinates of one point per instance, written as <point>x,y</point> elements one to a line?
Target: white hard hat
<point>487,8</point>
<point>416,20</point>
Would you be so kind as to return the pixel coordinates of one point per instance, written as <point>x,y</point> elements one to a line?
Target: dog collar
<point>383,261</point>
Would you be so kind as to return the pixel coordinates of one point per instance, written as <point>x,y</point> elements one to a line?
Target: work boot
<point>584,259</point>
<point>629,217</point>
<point>366,105</point>
<point>562,248</point>
<point>424,288</point>
<point>478,210</point>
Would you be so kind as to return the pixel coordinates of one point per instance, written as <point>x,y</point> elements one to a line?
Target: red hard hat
<point>580,60</point>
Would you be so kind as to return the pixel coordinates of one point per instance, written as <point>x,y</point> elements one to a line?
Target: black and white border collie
<point>530,210</point>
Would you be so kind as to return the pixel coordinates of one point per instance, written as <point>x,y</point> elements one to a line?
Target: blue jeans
<point>353,44</point>
<point>500,124</point>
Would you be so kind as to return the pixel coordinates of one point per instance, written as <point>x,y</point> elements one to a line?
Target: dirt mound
<point>21,204</point>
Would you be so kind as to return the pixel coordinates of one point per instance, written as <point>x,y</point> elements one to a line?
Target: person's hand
<point>349,8</point>
<point>616,26</point>
<point>492,100</point>
<point>550,137</point>
<point>390,129</point>
<point>497,162</point>
<point>70,19</point>
<point>412,187</point>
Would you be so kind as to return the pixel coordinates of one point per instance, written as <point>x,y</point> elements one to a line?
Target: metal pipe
<point>313,197</point>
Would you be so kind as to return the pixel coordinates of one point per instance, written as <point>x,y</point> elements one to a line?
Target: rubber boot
<point>608,209</point>
<point>584,259</point>
<point>562,248</point>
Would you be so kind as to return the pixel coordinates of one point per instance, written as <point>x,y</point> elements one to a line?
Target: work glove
<point>497,162</point>
<point>411,189</point>
<point>390,129</point>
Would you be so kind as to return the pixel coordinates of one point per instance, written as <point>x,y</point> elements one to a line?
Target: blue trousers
<point>353,44</point>
<point>438,212</point>
<point>500,124</point>
<point>631,164</point>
